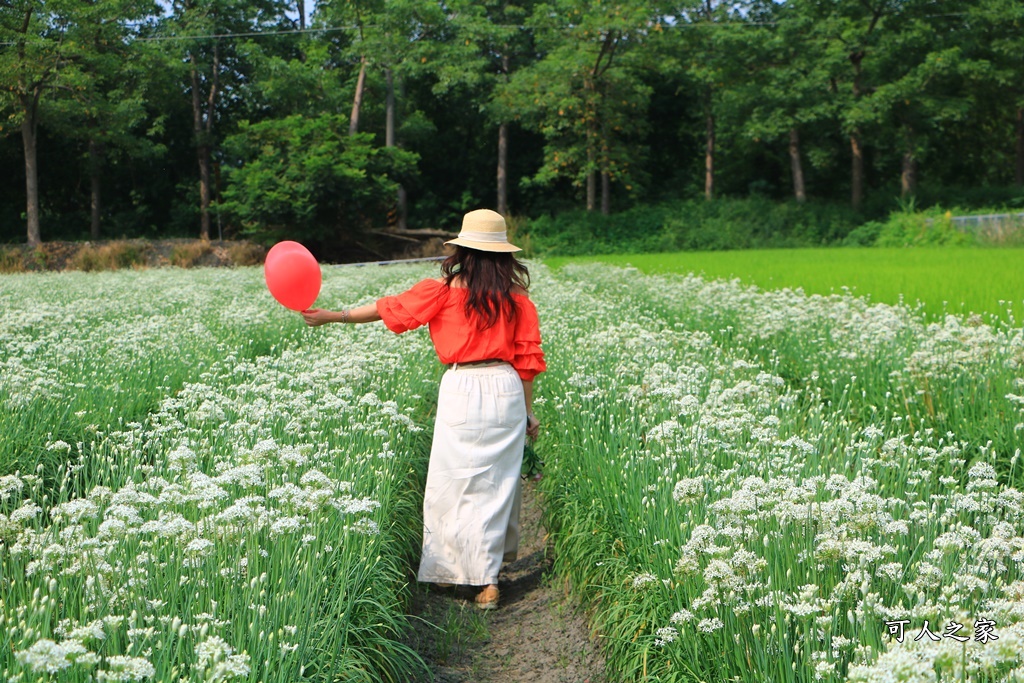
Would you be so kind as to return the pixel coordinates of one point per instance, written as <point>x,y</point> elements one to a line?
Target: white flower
<point>641,580</point>
<point>291,456</point>
<point>216,659</point>
<point>92,630</point>
<point>75,510</point>
<point>9,485</point>
<point>317,479</point>
<point>689,490</point>
<point>27,511</point>
<point>891,570</point>
<point>50,657</point>
<point>710,625</point>
<point>665,635</point>
<point>681,617</point>
<point>123,668</point>
<point>199,546</point>
<point>286,525</point>
<point>366,527</point>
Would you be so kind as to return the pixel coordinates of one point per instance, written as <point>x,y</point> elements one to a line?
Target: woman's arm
<point>363,314</point>
<point>532,423</point>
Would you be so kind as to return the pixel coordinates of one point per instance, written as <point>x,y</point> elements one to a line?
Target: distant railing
<point>989,224</point>
<point>388,263</point>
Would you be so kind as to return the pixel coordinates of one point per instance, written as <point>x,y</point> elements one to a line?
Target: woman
<point>484,326</point>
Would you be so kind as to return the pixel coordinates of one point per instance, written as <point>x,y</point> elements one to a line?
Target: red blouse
<point>456,338</point>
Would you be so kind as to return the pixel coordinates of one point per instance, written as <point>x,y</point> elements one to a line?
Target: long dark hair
<point>489,277</point>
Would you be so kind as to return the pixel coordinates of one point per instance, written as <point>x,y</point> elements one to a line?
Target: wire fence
<point>993,222</point>
<point>992,228</point>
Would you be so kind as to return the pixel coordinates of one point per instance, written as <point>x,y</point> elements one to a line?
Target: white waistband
<point>473,368</point>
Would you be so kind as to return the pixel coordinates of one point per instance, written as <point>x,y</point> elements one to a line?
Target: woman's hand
<point>532,426</point>
<point>315,317</point>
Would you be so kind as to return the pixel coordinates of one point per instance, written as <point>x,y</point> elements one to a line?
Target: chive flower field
<point>741,485</point>
<point>205,489</point>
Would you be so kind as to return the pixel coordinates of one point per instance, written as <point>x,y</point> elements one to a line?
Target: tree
<point>308,178</point>
<point>489,43</point>
<point>784,91</point>
<point>998,37</point>
<point>107,107</point>
<point>213,67</point>
<point>389,36</point>
<point>846,34</point>
<point>35,60</point>
<point>712,39</point>
<point>585,95</point>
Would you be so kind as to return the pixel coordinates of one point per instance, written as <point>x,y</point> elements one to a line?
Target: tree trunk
<point>591,190</point>
<point>908,175</point>
<point>94,189</point>
<point>389,111</point>
<point>301,6</point>
<point>606,193</point>
<point>502,175</point>
<point>28,138</point>
<point>203,132</point>
<point>1018,175</point>
<point>590,104</point>
<point>591,173</point>
<point>908,172</point>
<point>389,141</point>
<point>709,158</point>
<point>856,148</point>
<point>856,171</point>
<point>203,155</point>
<point>403,209</point>
<point>357,102</point>
<point>503,169</point>
<point>796,166</point>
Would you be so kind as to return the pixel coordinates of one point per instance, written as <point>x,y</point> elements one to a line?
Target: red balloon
<point>293,275</point>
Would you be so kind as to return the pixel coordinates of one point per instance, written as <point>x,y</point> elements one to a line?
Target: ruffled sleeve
<point>414,307</point>
<point>528,358</point>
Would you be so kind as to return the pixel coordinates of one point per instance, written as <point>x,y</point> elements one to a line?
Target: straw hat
<point>484,229</point>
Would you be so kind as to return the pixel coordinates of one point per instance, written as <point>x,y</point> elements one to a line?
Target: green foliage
<point>692,225</point>
<point>129,92</point>
<point>912,229</point>
<point>306,178</point>
<point>584,95</point>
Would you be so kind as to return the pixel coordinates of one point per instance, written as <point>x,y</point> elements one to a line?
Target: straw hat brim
<point>484,246</point>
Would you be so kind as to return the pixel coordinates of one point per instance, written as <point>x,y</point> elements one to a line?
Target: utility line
<point>334,29</point>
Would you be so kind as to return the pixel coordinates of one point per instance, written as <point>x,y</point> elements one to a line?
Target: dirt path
<point>538,634</point>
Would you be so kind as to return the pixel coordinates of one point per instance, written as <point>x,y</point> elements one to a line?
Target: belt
<point>476,363</point>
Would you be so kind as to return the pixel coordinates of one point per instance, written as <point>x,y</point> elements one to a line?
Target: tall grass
<point>958,280</point>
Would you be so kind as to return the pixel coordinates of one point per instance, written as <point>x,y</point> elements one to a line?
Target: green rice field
<point>943,279</point>
<point>740,485</point>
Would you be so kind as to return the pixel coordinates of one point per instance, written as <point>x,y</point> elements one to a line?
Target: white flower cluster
<point>270,463</point>
<point>814,462</point>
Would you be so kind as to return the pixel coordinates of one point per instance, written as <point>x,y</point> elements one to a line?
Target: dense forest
<point>328,120</point>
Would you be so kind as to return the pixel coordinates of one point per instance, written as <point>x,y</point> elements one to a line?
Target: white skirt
<point>472,497</point>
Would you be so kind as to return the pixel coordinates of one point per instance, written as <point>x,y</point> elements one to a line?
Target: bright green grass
<point>946,279</point>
